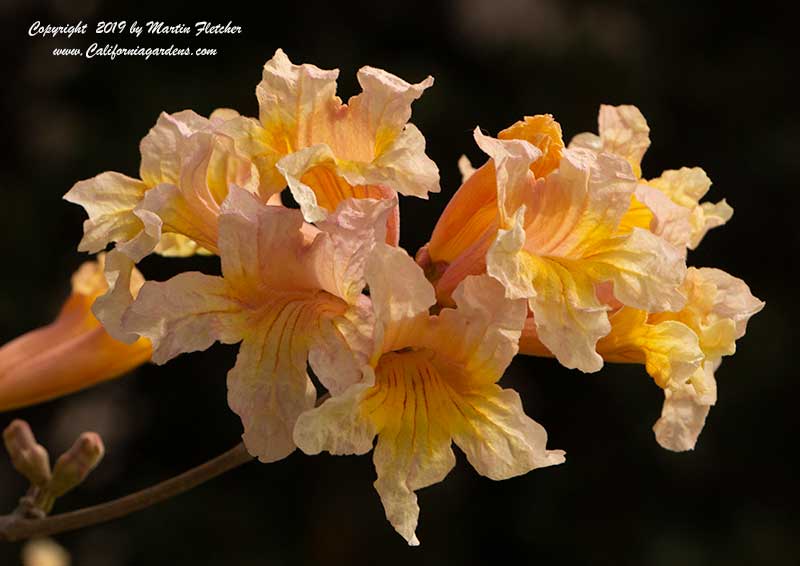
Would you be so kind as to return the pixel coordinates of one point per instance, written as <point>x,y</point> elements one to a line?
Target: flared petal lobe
<point>431,383</point>
<point>72,353</point>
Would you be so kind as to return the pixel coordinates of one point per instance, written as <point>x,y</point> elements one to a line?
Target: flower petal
<point>500,441</point>
<point>686,186</point>
<point>268,387</point>
<point>623,131</point>
<point>109,199</point>
<point>160,148</point>
<point>670,350</point>
<point>684,413</point>
<point>187,313</point>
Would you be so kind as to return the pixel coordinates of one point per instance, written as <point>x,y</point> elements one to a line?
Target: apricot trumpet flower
<point>72,353</point>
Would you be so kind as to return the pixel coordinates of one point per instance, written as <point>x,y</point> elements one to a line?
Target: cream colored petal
<point>187,313</point>
<point>487,325</point>
<point>253,141</point>
<point>353,230</point>
<point>186,217</point>
<point>685,186</point>
<point>124,282</point>
<point>670,220</point>
<point>646,270</point>
<point>506,263</point>
<point>384,106</point>
<point>268,387</point>
<point>732,298</point>
<point>465,168</point>
<point>109,199</point>
<point>161,160</point>
<point>402,166</point>
<point>177,245</point>
<point>265,236</point>
<point>512,162</point>
<point>569,318</point>
<point>624,132</point>
<point>587,140</point>
<point>707,216</point>
<point>397,285</point>
<point>500,441</point>
<point>684,413</point>
<point>337,426</point>
<point>342,347</point>
<point>290,98</point>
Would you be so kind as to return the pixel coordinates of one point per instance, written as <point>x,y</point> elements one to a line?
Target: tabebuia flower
<point>431,381</point>
<point>554,239</point>
<point>186,170</point>
<point>290,293</point>
<point>71,353</point>
<point>327,151</point>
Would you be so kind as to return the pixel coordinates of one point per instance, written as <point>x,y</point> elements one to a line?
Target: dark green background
<point>714,83</point>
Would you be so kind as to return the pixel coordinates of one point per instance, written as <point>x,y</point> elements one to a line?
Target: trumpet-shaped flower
<point>431,381</point>
<point>173,161</point>
<point>327,151</point>
<point>187,167</point>
<point>71,353</point>
<point>553,240</point>
<point>682,219</point>
<point>290,293</point>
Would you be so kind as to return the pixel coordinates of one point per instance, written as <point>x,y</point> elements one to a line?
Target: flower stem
<point>16,527</point>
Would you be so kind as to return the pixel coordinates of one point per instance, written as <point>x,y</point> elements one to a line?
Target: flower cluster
<point>546,249</point>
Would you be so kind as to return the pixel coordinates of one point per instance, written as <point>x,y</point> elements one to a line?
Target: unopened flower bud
<point>28,457</point>
<point>74,466</point>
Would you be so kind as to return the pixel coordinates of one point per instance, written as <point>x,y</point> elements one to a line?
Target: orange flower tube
<point>71,353</point>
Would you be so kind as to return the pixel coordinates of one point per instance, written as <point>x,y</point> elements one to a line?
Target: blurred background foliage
<point>714,81</point>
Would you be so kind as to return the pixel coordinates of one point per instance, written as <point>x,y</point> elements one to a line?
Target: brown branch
<point>16,527</point>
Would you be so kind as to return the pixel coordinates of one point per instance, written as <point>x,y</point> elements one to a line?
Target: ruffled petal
<point>684,413</point>
<point>123,284</point>
<point>337,426</point>
<point>268,387</point>
<point>160,148</point>
<point>187,313</point>
<point>685,187</point>
<point>512,164</point>
<point>646,270</point>
<point>624,132</point>
<point>670,350</point>
<point>397,286</point>
<point>499,439</point>
<point>488,326</point>
<point>109,199</point>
